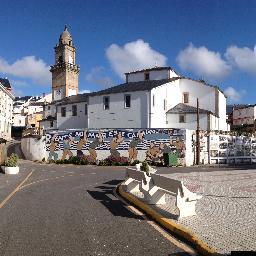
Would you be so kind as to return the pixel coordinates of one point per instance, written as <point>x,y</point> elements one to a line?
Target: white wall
<point>222,112</point>
<point>191,121</point>
<point>204,93</point>
<point>72,122</point>
<point>153,75</point>
<point>18,120</point>
<point>34,109</point>
<point>6,109</point>
<point>33,149</point>
<point>171,93</point>
<point>117,116</point>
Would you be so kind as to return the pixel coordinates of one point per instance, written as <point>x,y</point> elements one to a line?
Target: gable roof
<point>72,99</point>
<point>134,86</point>
<point>186,109</point>
<point>149,69</point>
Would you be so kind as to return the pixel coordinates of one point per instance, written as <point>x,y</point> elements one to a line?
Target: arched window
<point>60,59</point>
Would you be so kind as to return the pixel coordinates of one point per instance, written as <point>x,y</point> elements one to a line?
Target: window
<point>182,118</point>
<point>106,102</point>
<point>165,103</point>
<point>185,97</point>
<point>49,107</point>
<point>146,76</point>
<point>127,101</point>
<point>86,109</point>
<point>74,110</point>
<point>63,111</point>
<point>153,100</point>
<point>51,124</point>
<point>60,59</point>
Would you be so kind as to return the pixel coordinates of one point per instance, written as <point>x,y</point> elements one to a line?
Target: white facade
<point>245,115</point>
<point>72,120</point>
<point>118,116</point>
<point>153,74</point>
<point>6,107</point>
<point>148,106</point>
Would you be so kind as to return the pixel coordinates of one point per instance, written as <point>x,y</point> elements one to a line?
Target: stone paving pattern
<point>226,215</point>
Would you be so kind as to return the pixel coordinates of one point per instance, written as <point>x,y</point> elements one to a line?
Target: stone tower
<point>65,71</point>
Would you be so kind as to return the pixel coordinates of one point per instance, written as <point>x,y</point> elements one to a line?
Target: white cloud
<point>97,76</point>
<point>243,58</point>
<point>84,91</point>
<point>203,62</point>
<point>27,67</point>
<point>233,95</point>
<point>133,56</point>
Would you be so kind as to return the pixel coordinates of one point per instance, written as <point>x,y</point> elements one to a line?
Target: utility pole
<point>197,134</point>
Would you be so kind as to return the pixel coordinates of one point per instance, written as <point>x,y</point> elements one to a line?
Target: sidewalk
<point>226,215</point>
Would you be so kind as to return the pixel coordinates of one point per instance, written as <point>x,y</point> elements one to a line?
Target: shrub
<point>103,163</point>
<point>144,167</point>
<point>12,160</point>
<point>135,162</point>
<point>74,160</point>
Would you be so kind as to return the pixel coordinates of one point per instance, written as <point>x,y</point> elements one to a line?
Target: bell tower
<point>65,71</point>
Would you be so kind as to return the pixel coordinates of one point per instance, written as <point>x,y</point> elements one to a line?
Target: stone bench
<point>159,186</point>
<point>133,180</point>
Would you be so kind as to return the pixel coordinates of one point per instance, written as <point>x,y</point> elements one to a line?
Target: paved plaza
<point>226,215</point>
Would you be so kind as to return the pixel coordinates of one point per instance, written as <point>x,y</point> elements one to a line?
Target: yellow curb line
<point>201,246</point>
<point>15,190</point>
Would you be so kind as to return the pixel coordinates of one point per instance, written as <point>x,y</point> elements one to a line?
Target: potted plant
<point>144,166</point>
<point>11,164</point>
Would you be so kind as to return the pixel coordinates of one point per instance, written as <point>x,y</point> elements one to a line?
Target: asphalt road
<point>71,210</point>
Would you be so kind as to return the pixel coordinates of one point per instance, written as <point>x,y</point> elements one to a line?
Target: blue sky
<point>213,40</point>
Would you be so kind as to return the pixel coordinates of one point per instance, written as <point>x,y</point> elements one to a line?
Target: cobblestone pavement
<point>226,215</point>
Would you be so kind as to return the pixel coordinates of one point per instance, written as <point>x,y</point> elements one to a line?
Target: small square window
<point>127,101</point>
<point>63,111</point>
<point>106,102</point>
<point>185,97</point>
<point>146,76</point>
<point>182,119</point>
<point>74,110</point>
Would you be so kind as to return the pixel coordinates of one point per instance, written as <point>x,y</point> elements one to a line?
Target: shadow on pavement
<point>105,195</point>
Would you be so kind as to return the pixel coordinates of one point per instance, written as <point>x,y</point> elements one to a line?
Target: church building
<point>156,97</point>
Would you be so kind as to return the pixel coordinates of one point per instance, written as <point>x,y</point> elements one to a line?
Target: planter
<point>10,170</point>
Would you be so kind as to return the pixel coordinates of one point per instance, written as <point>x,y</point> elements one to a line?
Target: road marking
<point>49,179</point>
<point>170,238</point>
<point>15,190</point>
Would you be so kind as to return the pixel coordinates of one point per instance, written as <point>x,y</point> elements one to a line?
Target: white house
<point>6,107</point>
<point>244,115</point>
<point>150,98</point>
<point>28,109</point>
